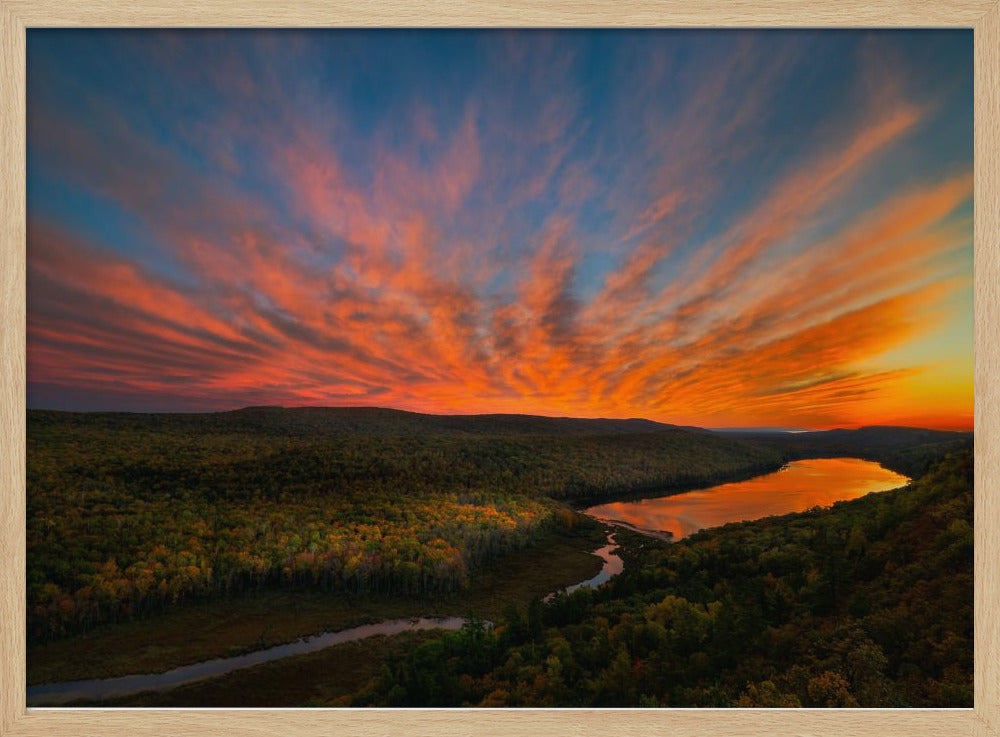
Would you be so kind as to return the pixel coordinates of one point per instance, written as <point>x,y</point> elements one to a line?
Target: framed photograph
<point>485,369</point>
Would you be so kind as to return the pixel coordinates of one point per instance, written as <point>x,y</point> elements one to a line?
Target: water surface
<point>797,487</point>
<point>99,689</point>
<point>613,565</point>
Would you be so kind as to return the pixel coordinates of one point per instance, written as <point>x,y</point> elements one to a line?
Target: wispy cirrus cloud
<point>738,229</point>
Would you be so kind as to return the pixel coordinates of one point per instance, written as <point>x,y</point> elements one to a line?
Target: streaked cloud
<point>715,229</point>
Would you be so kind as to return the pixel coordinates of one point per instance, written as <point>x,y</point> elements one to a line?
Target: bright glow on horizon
<point>723,229</point>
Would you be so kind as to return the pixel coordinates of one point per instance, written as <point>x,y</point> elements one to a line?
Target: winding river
<point>101,689</point>
<point>796,487</point>
<point>613,565</point>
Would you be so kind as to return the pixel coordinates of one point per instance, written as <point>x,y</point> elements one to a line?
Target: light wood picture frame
<point>983,16</point>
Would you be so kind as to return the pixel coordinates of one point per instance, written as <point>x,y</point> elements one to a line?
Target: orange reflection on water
<point>798,486</point>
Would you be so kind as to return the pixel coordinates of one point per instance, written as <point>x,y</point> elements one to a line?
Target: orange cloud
<point>386,290</point>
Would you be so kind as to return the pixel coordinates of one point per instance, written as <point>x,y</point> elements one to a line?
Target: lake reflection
<point>798,486</point>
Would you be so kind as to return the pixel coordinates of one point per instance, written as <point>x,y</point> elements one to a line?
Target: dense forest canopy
<point>867,603</point>
<point>128,513</point>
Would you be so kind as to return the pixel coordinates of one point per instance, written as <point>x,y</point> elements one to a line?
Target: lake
<point>796,487</point>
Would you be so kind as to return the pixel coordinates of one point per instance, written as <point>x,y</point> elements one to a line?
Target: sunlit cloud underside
<point>708,228</point>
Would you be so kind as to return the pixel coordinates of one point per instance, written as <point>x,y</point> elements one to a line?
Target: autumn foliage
<point>128,514</point>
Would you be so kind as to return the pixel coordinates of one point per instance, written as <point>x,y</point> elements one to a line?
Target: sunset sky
<point>714,228</point>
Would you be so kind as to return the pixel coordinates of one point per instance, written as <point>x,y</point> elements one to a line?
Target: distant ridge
<point>374,420</point>
<point>909,450</point>
<point>309,418</point>
<point>757,429</point>
<point>476,423</point>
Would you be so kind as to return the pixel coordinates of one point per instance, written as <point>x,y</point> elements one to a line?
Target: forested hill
<point>371,421</point>
<point>128,513</point>
<point>268,451</point>
<point>867,603</point>
<point>908,450</point>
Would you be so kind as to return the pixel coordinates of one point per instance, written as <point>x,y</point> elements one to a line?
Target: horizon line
<point>721,428</point>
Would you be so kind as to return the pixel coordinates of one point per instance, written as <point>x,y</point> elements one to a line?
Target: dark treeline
<point>867,603</point>
<point>128,513</point>
<point>907,450</point>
